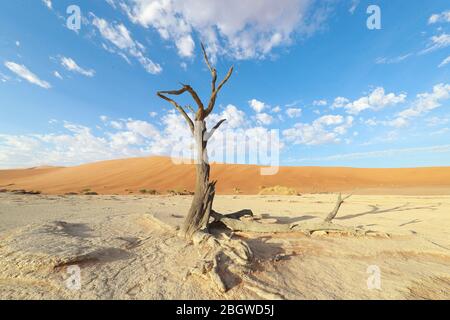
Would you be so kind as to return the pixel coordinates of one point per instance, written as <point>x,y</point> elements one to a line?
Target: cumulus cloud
<point>264,118</point>
<point>122,138</point>
<point>25,73</point>
<point>439,17</point>
<point>48,4</point>
<point>376,100</point>
<point>326,129</point>
<point>320,103</point>
<point>425,102</point>
<point>235,117</point>
<point>120,37</point>
<point>339,102</point>
<point>276,109</point>
<point>242,29</point>
<point>70,65</point>
<point>294,112</point>
<point>257,106</point>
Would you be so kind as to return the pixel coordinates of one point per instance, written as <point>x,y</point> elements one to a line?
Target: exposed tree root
<point>318,228</point>
<point>224,256</point>
<point>243,221</point>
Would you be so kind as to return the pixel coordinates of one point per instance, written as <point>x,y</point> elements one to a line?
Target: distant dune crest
<point>160,174</point>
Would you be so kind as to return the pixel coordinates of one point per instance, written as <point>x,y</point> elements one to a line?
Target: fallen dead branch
<point>224,254</point>
<point>241,221</point>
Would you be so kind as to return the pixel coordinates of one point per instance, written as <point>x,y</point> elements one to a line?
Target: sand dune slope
<point>159,173</point>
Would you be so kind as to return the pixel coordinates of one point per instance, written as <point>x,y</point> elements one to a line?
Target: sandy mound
<point>131,176</point>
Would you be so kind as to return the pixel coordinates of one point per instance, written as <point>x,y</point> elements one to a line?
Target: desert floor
<point>124,253</point>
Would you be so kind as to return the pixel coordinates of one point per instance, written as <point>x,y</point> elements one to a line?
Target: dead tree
<point>199,213</point>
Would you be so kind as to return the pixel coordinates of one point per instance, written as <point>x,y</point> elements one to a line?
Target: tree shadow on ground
<point>377,210</point>
<point>288,220</point>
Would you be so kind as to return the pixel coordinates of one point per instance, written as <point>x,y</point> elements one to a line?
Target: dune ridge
<point>125,176</point>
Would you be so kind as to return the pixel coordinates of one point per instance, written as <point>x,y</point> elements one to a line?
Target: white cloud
<point>353,7</point>
<point>57,75</point>
<point>121,37</point>
<point>48,3</point>
<point>437,42</point>
<point>398,122</point>
<point>437,121</point>
<point>320,103</point>
<point>294,112</point>
<point>185,46</point>
<point>264,118</point>
<point>242,29</point>
<point>276,109</point>
<point>444,62</point>
<point>376,100</point>
<point>4,78</point>
<point>116,125</point>
<point>425,102</point>
<point>382,153</point>
<point>72,66</point>
<point>339,102</point>
<point>235,118</point>
<point>439,17</point>
<point>24,73</point>
<point>17,43</point>
<point>257,105</point>
<point>371,122</point>
<point>153,114</point>
<point>326,129</point>
<point>142,128</point>
<point>330,120</point>
<point>75,144</point>
<point>398,59</point>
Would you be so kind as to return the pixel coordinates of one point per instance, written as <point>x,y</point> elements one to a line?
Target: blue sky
<point>338,93</point>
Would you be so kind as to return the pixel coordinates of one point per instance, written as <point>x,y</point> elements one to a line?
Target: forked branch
<point>214,91</point>
<point>211,132</point>
<point>178,107</point>
<point>212,100</point>
<point>213,70</point>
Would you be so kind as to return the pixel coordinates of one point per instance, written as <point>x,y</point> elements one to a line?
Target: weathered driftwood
<point>235,222</point>
<point>224,254</point>
<point>339,202</point>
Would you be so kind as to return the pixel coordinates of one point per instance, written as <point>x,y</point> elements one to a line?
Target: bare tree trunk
<point>198,216</point>
<point>200,210</point>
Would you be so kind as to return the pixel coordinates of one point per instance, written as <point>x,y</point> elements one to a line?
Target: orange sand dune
<point>159,173</point>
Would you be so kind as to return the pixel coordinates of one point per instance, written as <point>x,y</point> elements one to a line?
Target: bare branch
<point>212,100</point>
<point>211,132</point>
<point>339,202</point>
<point>194,95</point>
<point>213,70</point>
<point>190,108</point>
<point>178,107</point>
